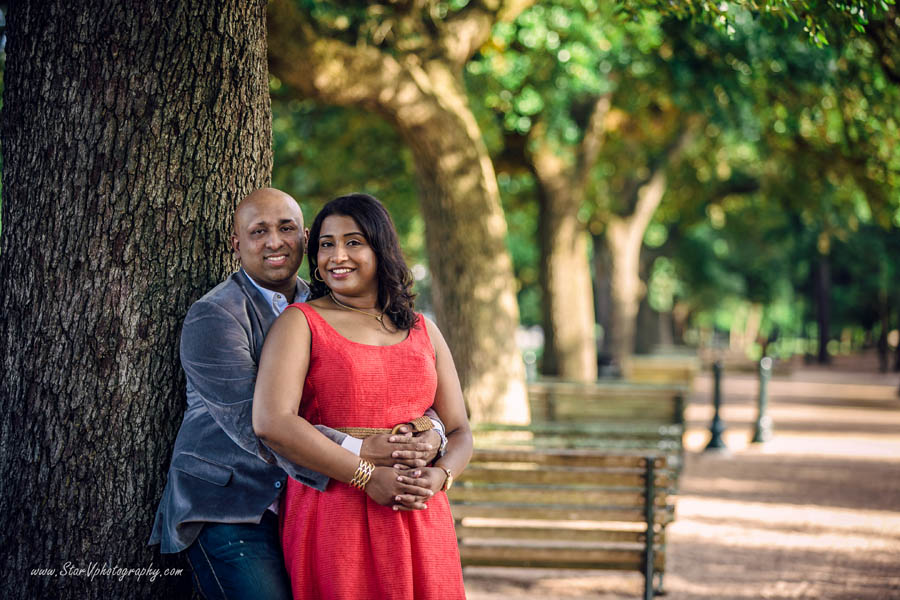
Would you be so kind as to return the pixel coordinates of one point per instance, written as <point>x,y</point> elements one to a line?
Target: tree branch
<point>465,32</point>
<point>639,192</point>
<point>551,169</point>
<point>592,141</point>
<point>324,68</point>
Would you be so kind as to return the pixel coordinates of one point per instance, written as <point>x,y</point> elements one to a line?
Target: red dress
<point>339,544</point>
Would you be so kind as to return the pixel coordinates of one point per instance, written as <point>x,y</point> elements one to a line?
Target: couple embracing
<point>316,446</point>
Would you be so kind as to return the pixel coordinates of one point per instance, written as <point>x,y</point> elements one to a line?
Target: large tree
<point>404,62</point>
<point>129,131</point>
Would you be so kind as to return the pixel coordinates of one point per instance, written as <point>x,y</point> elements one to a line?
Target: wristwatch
<point>447,482</point>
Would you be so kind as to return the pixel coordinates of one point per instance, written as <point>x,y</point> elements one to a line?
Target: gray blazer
<point>220,471</point>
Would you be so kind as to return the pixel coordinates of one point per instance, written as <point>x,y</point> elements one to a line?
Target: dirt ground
<point>813,514</point>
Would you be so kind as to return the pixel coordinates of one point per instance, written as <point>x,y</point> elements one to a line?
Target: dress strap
<point>315,320</point>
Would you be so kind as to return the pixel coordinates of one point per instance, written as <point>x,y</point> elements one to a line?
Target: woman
<point>358,356</point>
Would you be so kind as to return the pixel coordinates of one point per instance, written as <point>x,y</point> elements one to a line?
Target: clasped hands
<point>401,478</point>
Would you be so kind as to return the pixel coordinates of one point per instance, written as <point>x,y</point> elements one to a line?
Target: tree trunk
<point>422,96</point>
<point>563,175</point>
<point>882,345</point>
<point>646,332</point>
<point>623,241</point>
<point>897,349</point>
<point>602,265</point>
<point>624,237</point>
<point>822,291</point>
<point>474,287</point>
<point>647,327</point>
<point>129,131</point>
<point>570,348</point>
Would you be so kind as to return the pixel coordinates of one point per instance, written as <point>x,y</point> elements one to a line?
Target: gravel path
<point>813,514</point>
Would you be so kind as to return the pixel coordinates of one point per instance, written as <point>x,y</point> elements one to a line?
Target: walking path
<point>812,514</point>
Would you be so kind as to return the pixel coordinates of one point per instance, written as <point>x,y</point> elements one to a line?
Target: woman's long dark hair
<point>395,281</point>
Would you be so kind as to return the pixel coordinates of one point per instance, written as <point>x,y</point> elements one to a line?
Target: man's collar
<point>275,300</point>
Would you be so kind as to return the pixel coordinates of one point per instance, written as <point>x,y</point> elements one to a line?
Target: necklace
<point>379,318</point>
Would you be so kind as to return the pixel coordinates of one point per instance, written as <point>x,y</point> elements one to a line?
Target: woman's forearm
<point>458,451</point>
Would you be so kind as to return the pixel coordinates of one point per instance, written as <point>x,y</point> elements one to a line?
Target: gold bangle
<point>448,482</point>
<point>363,474</point>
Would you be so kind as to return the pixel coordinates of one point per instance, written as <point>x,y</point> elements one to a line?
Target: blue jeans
<point>237,561</point>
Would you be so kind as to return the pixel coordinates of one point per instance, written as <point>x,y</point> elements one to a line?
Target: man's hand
<point>429,437</point>
<point>402,450</point>
<point>386,488</point>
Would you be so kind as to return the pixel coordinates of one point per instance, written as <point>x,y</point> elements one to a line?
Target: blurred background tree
<point>624,139</point>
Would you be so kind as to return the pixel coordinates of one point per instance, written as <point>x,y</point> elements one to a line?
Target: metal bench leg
<point>649,520</point>
<point>659,590</point>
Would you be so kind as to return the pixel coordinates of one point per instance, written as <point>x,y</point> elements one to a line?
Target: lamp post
<point>717,427</point>
<point>763,431</point>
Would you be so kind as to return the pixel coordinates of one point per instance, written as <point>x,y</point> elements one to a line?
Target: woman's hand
<point>387,485</point>
<point>427,481</point>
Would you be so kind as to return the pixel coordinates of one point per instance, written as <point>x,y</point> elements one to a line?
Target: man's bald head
<point>251,203</point>
<point>269,239</point>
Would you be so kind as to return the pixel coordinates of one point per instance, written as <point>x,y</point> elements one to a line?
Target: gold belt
<point>418,425</point>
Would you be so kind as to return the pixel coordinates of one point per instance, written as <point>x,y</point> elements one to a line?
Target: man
<point>223,484</point>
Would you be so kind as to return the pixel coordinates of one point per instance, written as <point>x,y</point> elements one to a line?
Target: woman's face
<point>346,261</point>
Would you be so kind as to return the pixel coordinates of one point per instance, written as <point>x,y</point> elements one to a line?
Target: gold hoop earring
<point>317,276</point>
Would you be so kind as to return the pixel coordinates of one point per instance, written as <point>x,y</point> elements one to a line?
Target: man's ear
<point>306,240</point>
<point>235,246</point>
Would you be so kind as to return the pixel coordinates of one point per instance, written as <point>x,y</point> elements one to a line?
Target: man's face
<point>269,239</point>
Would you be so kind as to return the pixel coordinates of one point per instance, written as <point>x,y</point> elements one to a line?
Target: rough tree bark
<point>129,130</point>
<point>421,94</point>
<point>570,347</point>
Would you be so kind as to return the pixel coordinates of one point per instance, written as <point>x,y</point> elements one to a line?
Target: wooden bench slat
<point>605,389</point>
<point>654,403</point>
<point>580,513</point>
<point>551,496</point>
<point>572,458</point>
<point>570,558</point>
<point>558,476</point>
<point>583,428</point>
<point>643,409</point>
<point>600,440</point>
<point>575,410</point>
<point>562,534</point>
<point>624,445</point>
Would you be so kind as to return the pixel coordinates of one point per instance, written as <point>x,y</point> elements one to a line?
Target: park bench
<point>662,368</point>
<point>609,415</point>
<point>608,401</point>
<point>564,509</point>
<point>734,361</point>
